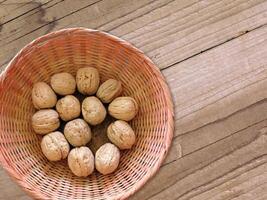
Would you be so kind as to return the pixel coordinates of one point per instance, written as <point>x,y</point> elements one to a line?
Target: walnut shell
<point>124,108</point>
<point>43,96</point>
<point>87,80</point>
<point>107,158</point>
<point>121,134</point>
<point>77,132</point>
<point>54,146</point>
<point>93,110</point>
<point>45,121</point>
<point>68,107</point>
<point>81,161</point>
<point>63,83</point>
<point>109,90</point>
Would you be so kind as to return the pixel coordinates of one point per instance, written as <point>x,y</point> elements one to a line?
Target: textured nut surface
<point>93,110</point>
<point>121,134</point>
<point>109,90</point>
<point>87,80</point>
<point>45,121</point>
<point>43,96</point>
<point>68,107</point>
<point>63,83</point>
<point>124,108</point>
<point>54,146</point>
<point>81,161</point>
<point>107,158</point>
<point>77,132</point>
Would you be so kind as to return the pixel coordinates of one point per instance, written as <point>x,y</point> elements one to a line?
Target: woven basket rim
<point>168,99</point>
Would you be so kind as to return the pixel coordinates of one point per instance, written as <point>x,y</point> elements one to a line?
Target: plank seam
<point>215,46</point>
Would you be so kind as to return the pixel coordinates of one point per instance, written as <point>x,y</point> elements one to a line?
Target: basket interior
<point>66,52</point>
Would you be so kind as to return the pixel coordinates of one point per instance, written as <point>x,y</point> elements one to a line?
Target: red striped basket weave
<point>66,51</point>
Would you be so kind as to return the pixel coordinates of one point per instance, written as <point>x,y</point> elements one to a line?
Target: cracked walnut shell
<point>54,146</point>
<point>45,121</point>
<point>81,161</point>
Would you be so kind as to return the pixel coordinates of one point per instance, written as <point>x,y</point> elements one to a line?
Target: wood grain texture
<point>10,190</point>
<point>213,55</point>
<point>161,28</point>
<point>221,111</point>
<point>12,9</point>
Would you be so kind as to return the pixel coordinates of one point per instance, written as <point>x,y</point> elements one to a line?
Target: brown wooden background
<point>213,54</point>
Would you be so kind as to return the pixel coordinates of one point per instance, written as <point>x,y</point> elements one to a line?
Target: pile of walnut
<point>79,117</point>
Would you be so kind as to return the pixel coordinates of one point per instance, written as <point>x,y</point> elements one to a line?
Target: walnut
<point>93,110</point>
<point>121,134</point>
<point>81,161</point>
<point>109,90</point>
<point>87,80</point>
<point>43,96</point>
<point>77,132</point>
<point>45,121</point>
<point>68,108</point>
<point>124,108</point>
<point>54,146</point>
<point>107,158</point>
<point>63,83</point>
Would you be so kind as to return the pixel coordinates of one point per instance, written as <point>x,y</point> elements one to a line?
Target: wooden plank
<point>44,14</point>
<point>239,187</point>
<point>208,168</point>
<point>215,87</point>
<point>183,30</point>
<point>221,111</point>
<point>48,18</point>
<point>10,190</point>
<point>168,31</point>
<point>231,72</point>
<point>12,9</point>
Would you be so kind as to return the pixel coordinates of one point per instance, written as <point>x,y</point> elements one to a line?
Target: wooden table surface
<point>213,54</point>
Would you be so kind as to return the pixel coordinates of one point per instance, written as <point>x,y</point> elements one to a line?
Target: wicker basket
<point>66,51</point>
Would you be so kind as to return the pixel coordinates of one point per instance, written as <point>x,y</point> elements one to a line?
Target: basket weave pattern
<point>66,51</point>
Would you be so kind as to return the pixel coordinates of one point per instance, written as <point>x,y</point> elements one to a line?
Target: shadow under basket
<point>68,50</point>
